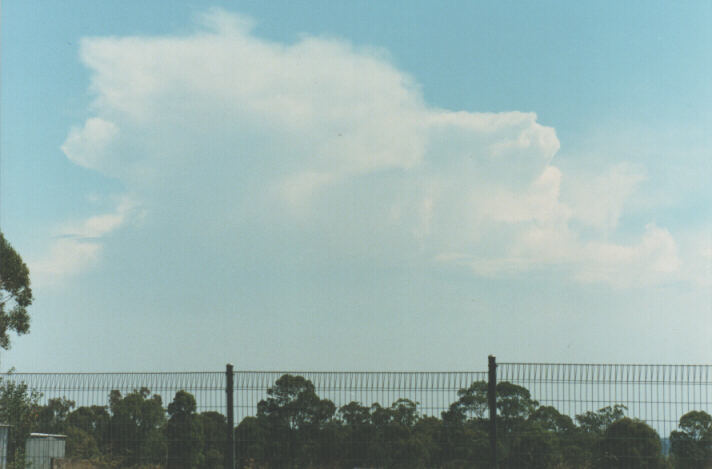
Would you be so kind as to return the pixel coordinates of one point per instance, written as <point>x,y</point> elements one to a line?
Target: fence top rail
<point>375,372</point>
<point>106,373</point>
<point>120,381</point>
<point>698,365</point>
<point>607,373</point>
<point>294,372</point>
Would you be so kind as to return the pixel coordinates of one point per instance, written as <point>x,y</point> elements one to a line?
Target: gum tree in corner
<point>15,293</point>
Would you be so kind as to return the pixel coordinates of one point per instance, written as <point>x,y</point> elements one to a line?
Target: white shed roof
<point>46,435</point>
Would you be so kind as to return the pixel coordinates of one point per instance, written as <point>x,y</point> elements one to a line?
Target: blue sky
<point>358,185</point>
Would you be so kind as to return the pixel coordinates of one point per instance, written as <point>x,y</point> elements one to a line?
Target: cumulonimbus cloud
<point>322,136</point>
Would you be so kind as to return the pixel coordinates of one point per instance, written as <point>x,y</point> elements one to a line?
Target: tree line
<point>295,428</point>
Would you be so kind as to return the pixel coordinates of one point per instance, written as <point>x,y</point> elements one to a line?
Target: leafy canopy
<point>15,293</point>
<point>691,446</point>
<point>293,402</point>
<point>629,444</point>
<point>18,408</point>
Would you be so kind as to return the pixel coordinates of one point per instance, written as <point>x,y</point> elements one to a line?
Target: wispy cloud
<point>77,245</point>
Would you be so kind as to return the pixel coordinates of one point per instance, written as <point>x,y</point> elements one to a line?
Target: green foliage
<point>471,403</point>
<point>354,414</point>
<point>215,428</point>
<point>358,432</point>
<point>135,427</point>
<point>691,447</point>
<point>393,440</point>
<point>293,417</point>
<point>81,445</point>
<point>572,445</point>
<point>533,447</point>
<point>86,428</point>
<point>465,445</point>
<point>404,412</point>
<point>514,405</point>
<point>549,419</point>
<point>94,421</point>
<point>53,416</point>
<point>597,422</point>
<point>184,433</point>
<point>357,435</point>
<point>293,404</point>
<point>15,293</point>
<point>252,442</point>
<point>19,408</point>
<point>629,444</point>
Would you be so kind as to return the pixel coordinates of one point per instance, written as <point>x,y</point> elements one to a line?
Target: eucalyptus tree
<point>15,293</point>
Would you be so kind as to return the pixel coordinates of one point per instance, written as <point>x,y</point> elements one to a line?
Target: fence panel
<point>380,419</point>
<point>116,419</point>
<point>592,397</point>
<point>433,391</point>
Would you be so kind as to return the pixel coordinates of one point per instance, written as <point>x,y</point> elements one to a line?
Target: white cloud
<point>87,146</point>
<point>232,130</point>
<point>598,200</point>
<point>540,202</point>
<point>298,189</point>
<point>654,257</point>
<point>66,257</point>
<point>696,254</point>
<point>77,246</point>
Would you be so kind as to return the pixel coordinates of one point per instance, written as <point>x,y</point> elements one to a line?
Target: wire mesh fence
<point>332,419</point>
<point>656,394</point>
<point>433,392</point>
<point>547,416</point>
<point>114,419</point>
<point>90,389</point>
<point>608,415</point>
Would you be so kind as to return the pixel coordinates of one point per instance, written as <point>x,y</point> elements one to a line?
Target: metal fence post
<point>492,403</point>
<point>230,450</point>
